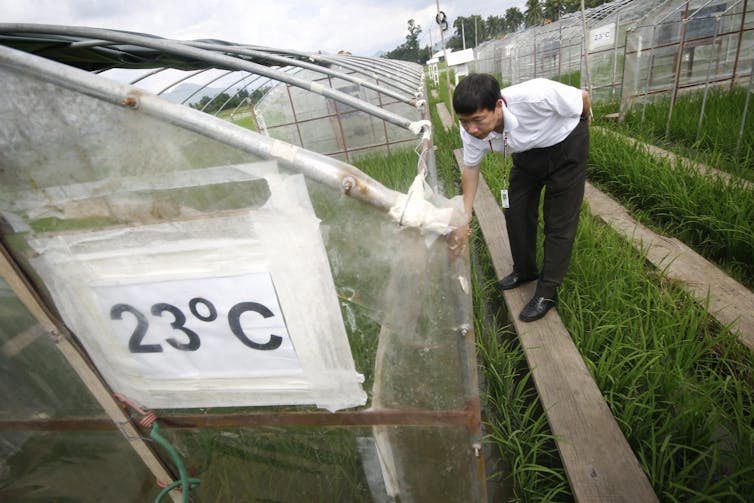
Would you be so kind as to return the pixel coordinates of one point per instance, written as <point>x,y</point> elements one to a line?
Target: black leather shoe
<point>513,280</point>
<point>536,308</point>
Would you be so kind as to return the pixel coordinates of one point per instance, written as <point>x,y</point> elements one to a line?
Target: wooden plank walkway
<point>442,112</point>
<point>729,302</point>
<point>599,463</point>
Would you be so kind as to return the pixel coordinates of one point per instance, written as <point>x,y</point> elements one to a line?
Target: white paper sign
<point>235,308</point>
<point>602,37</point>
<point>210,327</point>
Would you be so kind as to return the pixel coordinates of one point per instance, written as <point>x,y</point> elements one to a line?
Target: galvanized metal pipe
<point>222,61</point>
<point>303,64</point>
<point>349,62</point>
<point>330,172</point>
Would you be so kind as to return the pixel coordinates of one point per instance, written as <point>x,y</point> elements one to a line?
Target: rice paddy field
<point>709,126</point>
<point>678,383</point>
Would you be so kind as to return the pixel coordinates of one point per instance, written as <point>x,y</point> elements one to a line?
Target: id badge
<point>504,198</point>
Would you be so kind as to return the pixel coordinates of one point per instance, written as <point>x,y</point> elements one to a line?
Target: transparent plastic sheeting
<point>715,44</point>
<point>35,380</point>
<point>235,309</point>
<point>88,466</point>
<point>320,124</point>
<point>36,383</point>
<point>95,197</point>
<point>339,465</point>
<point>66,163</point>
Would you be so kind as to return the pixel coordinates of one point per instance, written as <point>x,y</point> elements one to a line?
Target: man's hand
<point>457,241</point>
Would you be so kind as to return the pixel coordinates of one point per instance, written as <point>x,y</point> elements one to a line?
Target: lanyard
<point>505,157</point>
<point>505,148</point>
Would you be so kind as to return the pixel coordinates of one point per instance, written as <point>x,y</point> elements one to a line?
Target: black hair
<point>475,91</point>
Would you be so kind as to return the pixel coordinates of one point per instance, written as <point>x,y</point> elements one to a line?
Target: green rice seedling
<point>395,170</point>
<point>711,215</point>
<point>679,386</point>
<point>243,464</point>
<point>656,356</point>
<point>571,79</point>
<point>716,142</point>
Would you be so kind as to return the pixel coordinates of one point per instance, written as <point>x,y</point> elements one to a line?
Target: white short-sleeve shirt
<point>536,113</point>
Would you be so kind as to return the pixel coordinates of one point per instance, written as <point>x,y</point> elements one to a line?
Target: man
<point>543,125</point>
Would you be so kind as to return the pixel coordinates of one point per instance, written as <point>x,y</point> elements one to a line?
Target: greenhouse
<point>663,45</point>
<point>191,304</point>
<point>226,272</point>
<point>639,52</point>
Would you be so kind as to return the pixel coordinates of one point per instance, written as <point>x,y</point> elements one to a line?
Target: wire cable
<point>149,420</point>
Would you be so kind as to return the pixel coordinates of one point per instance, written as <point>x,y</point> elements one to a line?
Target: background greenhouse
<point>225,272</point>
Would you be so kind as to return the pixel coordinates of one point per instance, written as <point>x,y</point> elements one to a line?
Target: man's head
<point>478,105</point>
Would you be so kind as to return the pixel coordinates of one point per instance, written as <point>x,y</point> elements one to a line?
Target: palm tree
<point>533,14</point>
<point>514,18</point>
<point>553,9</point>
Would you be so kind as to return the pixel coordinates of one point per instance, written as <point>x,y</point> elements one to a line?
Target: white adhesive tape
<point>282,150</point>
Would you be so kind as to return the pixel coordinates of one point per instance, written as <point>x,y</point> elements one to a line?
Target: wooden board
<point>729,301</point>
<point>442,112</point>
<point>12,275</point>
<point>598,460</point>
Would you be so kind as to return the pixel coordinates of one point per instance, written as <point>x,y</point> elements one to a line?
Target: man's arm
<point>586,111</point>
<point>469,184</point>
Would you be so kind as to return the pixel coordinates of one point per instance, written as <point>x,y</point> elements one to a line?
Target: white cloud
<point>362,26</point>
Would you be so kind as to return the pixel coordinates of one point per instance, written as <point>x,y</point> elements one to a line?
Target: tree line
<point>224,101</point>
<point>474,29</point>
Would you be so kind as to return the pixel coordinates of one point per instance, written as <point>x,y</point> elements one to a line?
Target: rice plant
<point>709,214</point>
<point>716,143</point>
<point>678,384</point>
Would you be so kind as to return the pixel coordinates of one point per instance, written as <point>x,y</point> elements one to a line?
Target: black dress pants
<point>561,170</point>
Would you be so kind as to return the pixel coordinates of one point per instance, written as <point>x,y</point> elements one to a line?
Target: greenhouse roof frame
<point>185,56</point>
<point>135,51</point>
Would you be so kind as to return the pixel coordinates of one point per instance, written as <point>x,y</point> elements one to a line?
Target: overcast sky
<point>362,27</point>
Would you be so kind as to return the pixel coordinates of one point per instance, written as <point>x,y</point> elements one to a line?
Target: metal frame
<point>388,75</point>
<point>316,166</point>
<point>190,52</point>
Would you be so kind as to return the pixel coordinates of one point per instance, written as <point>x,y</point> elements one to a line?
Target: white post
<point>586,49</point>
<point>447,68</point>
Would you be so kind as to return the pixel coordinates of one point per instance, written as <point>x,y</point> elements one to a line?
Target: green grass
<point>716,143</point>
<point>712,216</point>
<point>247,122</point>
<point>679,385</point>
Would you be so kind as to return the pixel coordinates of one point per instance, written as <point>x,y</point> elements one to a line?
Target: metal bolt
<point>348,183</point>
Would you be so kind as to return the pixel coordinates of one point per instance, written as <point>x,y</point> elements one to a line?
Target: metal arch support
<point>328,171</point>
<point>350,63</point>
<point>182,79</point>
<point>303,64</point>
<point>223,61</point>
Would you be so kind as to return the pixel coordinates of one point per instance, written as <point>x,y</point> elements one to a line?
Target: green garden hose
<point>184,482</point>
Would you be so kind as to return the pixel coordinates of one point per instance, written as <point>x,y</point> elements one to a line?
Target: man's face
<point>482,122</point>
